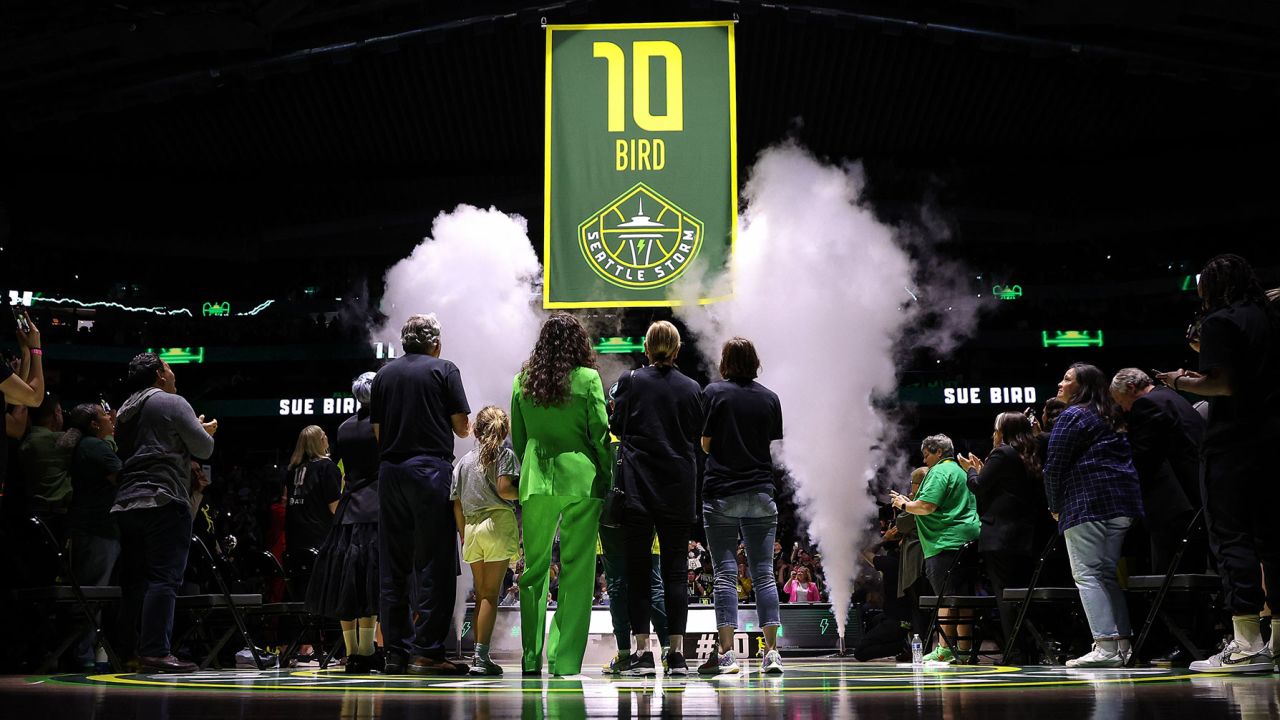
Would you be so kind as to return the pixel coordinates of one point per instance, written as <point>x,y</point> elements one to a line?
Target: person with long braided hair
<point>560,431</point>
<point>484,486</point>
<point>1239,339</point>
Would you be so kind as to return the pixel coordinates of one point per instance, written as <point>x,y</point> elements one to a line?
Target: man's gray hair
<point>362,387</point>
<point>939,443</point>
<point>420,334</point>
<point>1130,376</point>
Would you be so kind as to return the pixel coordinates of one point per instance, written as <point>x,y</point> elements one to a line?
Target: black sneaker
<point>674,664</point>
<point>394,664</point>
<point>641,665</point>
<point>359,665</point>
<point>711,666</point>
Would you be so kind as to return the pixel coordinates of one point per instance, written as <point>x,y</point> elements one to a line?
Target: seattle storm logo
<point>640,240</point>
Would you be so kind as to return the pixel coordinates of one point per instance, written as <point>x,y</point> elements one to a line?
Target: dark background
<point>175,153</point>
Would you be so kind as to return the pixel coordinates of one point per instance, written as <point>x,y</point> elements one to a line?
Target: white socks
<point>1108,646</point>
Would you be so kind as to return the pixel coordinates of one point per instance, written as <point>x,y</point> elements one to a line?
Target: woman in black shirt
<point>311,496</point>
<point>345,584</point>
<point>658,418</point>
<point>1010,495</point>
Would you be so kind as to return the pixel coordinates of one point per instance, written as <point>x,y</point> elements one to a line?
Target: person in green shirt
<point>559,430</point>
<point>946,518</point>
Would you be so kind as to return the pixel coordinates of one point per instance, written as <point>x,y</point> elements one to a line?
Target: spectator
<point>1239,341</point>
<point>1164,433</point>
<point>1093,492</point>
<point>661,411</point>
<point>946,519</point>
<point>345,583</point>
<point>417,406</point>
<point>911,581</point>
<point>1009,490</point>
<point>25,385</point>
<point>741,419</point>
<point>95,468</point>
<point>46,466</point>
<point>312,492</point>
<point>158,433</point>
<point>559,429</point>
<point>801,587</point>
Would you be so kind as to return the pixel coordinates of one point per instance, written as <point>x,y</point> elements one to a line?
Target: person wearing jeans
<point>1093,492</point>
<point>741,419</point>
<point>158,434</point>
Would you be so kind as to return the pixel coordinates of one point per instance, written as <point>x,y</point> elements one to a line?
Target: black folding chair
<point>89,600</point>
<point>294,608</point>
<point>1034,593</point>
<point>966,559</point>
<point>1172,581</point>
<point>205,609</point>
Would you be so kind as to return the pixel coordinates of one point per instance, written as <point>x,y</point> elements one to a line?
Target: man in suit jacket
<point>1165,432</point>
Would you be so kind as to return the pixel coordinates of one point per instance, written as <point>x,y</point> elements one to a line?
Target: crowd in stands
<point>546,521</point>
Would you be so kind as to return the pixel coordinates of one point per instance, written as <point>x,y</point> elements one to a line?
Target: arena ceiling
<point>257,132</point>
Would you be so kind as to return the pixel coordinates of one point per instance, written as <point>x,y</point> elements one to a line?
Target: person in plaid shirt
<point>1093,492</point>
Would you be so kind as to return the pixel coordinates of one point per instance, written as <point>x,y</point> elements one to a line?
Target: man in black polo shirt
<point>417,406</point>
<point>1239,364</point>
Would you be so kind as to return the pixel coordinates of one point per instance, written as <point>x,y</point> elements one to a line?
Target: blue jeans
<point>153,556</point>
<point>756,516</point>
<point>1094,549</point>
<point>615,574</point>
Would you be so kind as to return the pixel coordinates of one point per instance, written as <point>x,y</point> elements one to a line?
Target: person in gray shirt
<point>158,434</point>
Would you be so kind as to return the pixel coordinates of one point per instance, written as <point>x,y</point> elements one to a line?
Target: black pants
<point>673,539</point>
<point>884,638</point>
<point>1004,570</point>
<point>153,557</point>
<point>417,556</point>
<point>1239,503</point>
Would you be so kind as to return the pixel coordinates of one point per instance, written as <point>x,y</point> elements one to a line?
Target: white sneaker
<point>772,663</point>
<point>1097,658</point>
<point>1235,658</point>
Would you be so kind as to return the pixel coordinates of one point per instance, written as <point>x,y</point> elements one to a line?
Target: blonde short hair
<point>662,342</point>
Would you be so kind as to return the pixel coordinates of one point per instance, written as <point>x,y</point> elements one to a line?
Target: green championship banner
<point>641,163</point>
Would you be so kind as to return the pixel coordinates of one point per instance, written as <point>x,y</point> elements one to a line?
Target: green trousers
<point>578,520</point>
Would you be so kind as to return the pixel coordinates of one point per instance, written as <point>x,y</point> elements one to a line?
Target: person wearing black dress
<point>658,417</point>
<point>345,584</point>
<point>1010,495</point>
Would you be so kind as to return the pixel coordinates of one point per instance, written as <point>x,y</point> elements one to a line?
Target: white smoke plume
<point>477,272</point>
<point>825,290</point>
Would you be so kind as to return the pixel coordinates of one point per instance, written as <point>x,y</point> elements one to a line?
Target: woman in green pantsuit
<point>559,429</point>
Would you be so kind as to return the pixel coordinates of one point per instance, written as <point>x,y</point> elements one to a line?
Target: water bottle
<point>917,651</point>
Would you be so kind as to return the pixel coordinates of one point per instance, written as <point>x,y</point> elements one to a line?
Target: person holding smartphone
<point>1239,339</point>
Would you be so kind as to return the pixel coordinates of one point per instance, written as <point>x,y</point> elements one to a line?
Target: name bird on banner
<point>641,162</point>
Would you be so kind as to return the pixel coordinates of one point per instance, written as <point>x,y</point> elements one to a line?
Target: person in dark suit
<point>1011,503</point>
<point>1165,432</point>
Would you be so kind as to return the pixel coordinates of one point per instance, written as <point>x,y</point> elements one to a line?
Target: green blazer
<point>563,450</point>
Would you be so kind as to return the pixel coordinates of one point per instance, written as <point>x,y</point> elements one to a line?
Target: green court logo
<point>640,239</point>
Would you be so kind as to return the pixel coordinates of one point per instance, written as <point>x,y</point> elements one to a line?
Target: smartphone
<point>20,317</point>
<point>106,406</point>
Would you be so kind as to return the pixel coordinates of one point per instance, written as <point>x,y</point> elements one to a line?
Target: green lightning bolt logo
<point>824,624</point>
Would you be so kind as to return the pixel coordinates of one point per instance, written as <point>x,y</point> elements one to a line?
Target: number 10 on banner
<point>642,153</point>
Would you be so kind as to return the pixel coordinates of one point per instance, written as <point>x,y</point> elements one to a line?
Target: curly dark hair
<point>1229,279</point>
<point>562,346</point>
